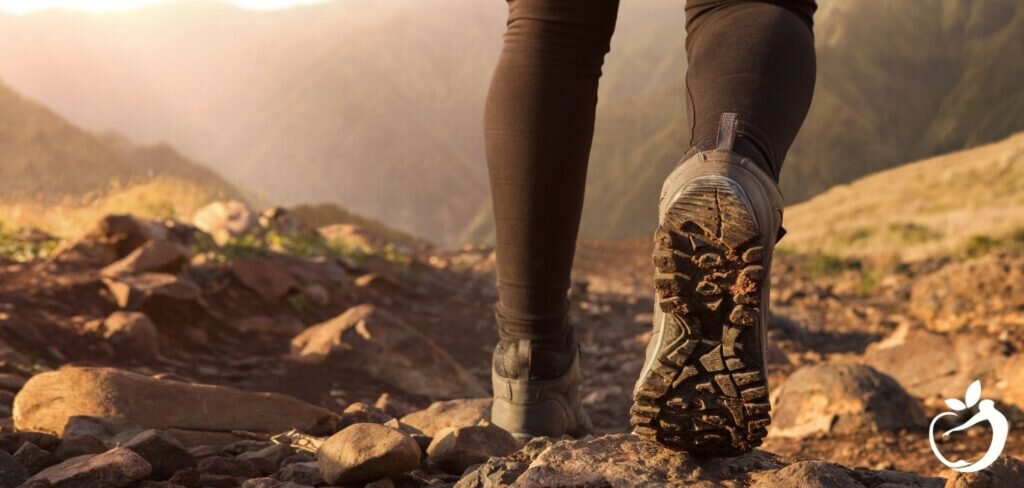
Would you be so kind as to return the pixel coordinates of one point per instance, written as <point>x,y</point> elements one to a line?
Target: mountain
<point>48,163</point>
<point>377,106</point>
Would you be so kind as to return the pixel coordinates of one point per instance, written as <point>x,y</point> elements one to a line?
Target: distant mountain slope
<point>53,173</point>
<point>945,204</point>
<point>377,106</point>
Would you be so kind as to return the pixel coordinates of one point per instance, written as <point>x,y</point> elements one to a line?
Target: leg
<point>756,59</point>
<point>539,122</point>
<point>703,387</point>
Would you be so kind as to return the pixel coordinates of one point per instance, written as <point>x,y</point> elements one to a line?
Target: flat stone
<point>268,278</point>
<point>49,399</point>
<point>155,256</point>
<point>162,451</point>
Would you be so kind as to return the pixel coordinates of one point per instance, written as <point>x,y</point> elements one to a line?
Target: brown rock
<point>362,453</point>
<point>361,413</point>
<point>268,278</point>
<point>155,256</point>
<point>279,324</point>
<point>11,382</point>
<point>841,398</point>
<point>130,333</point>
<point>455,449</point>
<point>930,364</point>
<point>130,292</point>
<point>986,293</point>
<point>1012,380</point>
<point>114,468</point>
<point>374,342</point>
<point>162,451</point>
<point>448,414</point>
<point>809,474</point>
<point>112,238</point>
<point>1006,472</point>
<point>49,399</point>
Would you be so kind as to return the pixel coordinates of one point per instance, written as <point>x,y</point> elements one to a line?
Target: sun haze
<point>20,7</point>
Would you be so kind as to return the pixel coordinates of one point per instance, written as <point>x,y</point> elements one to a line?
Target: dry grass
<point>943,205</point>
<point>161,197</point>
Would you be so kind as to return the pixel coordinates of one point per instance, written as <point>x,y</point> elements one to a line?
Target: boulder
<point>378,344</point>
<point>842,398</point>
<point>268,278</point>
<point>110,239</point>
<point>454,450</point>
<point>1006,472</point>
<point>362,453</point>
<point>224,220</point>
<point>11,382</point>
<point>34,458</point>
<point>155,256</point>
<point>162,451</point>
<point>130,333</point>
<point>285,223</point>
<point>114,468</point>
<point>934,365</point>
<point>132,292</point>
<point>49,399</point>
<point>362,413</point>
<point>448,414</point>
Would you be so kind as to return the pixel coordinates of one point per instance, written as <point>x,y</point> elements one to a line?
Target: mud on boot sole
<point>706,390</point>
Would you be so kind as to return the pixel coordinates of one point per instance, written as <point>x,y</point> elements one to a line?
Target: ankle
<point>534,359</point>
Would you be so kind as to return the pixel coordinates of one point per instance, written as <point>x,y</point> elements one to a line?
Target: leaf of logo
<point>973,394</point>
<point>956,404</point>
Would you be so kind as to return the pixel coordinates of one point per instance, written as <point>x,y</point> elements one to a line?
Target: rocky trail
<point>245,350</point>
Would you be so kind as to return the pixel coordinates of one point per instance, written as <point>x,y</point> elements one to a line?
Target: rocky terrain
<point>252,350</point>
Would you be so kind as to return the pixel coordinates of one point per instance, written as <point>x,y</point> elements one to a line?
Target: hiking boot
<point>536,390</point>
<point>703,387</point>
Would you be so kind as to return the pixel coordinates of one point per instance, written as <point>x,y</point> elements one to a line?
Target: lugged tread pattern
<point>706,392</point>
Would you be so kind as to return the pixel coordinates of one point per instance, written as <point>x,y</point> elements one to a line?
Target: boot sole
<point>706,390</point>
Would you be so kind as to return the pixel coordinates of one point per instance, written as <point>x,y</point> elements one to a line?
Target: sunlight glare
<point>21,7</point>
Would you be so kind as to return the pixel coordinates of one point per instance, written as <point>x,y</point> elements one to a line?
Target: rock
<point>1006,472</point>
<point>12,473</point>
<point>301,473</point>
<point>130,333</point>
<point>244,446</point>
<point>450,413</point>
<point>455,449</point>
<point>132,291</point>
<point>985,293</point>
<point>930,364</point>
<point>238,468</point>
<point>268,278</point>
<point>317,295</point>
<point>363,453</point>
<point>224,220</point>
<point>110,239</point>
<point>841,398</point>
<point>218,481</point>
<point>162,451</point>
<point>114,468</point>
<point>373,341</point>
<point>268,459</point>
<point>279,324</point>
<point>189,478</point>
<point>808,474</point>
<point>102,428</point>
<point>73,447</point>
<point>49,399</point>
<point>155,256</point>
<point>361,413</point>
<point>381,483</point>
<point>1012,380</point>
<point>34,458</point>
<point>494,473</point>
<point>11,382</point>
<point>12,441</point>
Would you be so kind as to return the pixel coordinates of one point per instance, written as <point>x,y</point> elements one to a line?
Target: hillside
<point>55,175</point>
<point>959,202</point>
<point>393,91</point>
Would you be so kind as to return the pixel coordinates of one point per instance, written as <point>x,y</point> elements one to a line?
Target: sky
<point>19,7</point>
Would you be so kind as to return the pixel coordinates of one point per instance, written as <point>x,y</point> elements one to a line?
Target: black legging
<point>755,58</point>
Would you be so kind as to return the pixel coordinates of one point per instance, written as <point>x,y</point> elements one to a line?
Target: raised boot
<point>703,387</point>
<point>536,390</point>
